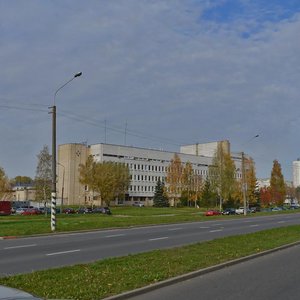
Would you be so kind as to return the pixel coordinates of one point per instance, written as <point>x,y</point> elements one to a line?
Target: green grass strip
<point>116,275</point>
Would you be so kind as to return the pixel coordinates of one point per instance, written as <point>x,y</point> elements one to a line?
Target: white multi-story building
<point>296,173</point>
<point>146,166</point>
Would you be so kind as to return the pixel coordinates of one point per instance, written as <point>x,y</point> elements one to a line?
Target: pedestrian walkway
<point>13,294</point>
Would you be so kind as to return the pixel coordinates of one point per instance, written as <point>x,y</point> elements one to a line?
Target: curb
<point>174,280</point>
<point>7,237</point>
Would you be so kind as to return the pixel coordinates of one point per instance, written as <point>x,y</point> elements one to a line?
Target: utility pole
<point>53,189</point>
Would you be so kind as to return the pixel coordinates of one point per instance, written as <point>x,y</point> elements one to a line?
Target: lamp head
<point>78,74</point>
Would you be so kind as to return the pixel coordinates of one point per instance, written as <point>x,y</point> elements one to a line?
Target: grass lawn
<point>121,217</point>
<point>116,275</point>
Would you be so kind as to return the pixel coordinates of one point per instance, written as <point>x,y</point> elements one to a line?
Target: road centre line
<point>279,222</point>
<point>216,230</point>
<point>156,239</point>
<point>114,235</point>
<point>21,246</point>
<point>62,252</point>
<point>173,229</point>
<point>254,225</point>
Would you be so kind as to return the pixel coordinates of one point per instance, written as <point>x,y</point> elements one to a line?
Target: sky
<point>155,74</point>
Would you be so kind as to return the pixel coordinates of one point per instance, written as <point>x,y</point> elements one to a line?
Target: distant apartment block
<point>146,167</point>
<point>296,173</point>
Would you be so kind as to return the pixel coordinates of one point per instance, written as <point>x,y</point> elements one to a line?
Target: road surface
<point>24,255</point>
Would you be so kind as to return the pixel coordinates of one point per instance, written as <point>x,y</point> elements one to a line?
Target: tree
<point>4,184</point>
<point>265,197</point>
<point>221,175</point>
<point>251,182</point>
<point>277,184</point>
<point>187,181</point>
<point>22,180</point>
<point>174,178</point>
<point>43,177</point>
<point>160,199</point>
<point>108,179</point>
<point>209,197</point>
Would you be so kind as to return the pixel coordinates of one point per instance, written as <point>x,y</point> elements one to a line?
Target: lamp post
<point>53,190</point>
<point>62,188</point>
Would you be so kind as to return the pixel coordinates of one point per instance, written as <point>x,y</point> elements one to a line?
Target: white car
<point>239,211</point>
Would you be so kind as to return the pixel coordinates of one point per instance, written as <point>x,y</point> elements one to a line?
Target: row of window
<point>141,188</point>
<point>147,178</point>
<point>160,169</point>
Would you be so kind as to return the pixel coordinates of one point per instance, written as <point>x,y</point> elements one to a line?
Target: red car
<point>30,211</point>
<point>213,213</point>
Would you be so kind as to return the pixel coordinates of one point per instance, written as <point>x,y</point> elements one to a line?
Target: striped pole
<point>53,211</point>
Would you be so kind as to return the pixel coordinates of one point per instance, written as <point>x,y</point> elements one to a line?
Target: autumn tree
<point>87,175</point>
<point>187,181</point>
<point>43,176</point>
<point>221,175</point>
<point>109,179</point>
<point>265,197</point>
<point>4,184</point>
<point>277,184</point>
<point>174,178</point>
<point>160,199</point>
<point>251,182</point>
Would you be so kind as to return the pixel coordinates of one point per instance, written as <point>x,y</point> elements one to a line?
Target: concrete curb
<point>7,237</point>
<point>149,288</point>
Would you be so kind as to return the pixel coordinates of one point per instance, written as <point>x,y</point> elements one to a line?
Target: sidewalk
<point>13,294</point>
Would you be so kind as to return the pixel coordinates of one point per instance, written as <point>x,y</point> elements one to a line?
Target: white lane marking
<point>114,235</point>
<point>173,229</point>
<point>279,222</point>
<point>63,252</point>
<point>161,238</point>
<point>217,230</point>
<point>204,227</point>
<point>217,224</point>
<point>254,225</point>
<point>22,246</point>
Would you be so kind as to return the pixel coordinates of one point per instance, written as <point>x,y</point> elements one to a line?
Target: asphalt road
<point>271,277</point>
<point>24,255</point>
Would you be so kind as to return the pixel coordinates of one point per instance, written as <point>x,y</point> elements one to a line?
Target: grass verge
<point>116,275</point>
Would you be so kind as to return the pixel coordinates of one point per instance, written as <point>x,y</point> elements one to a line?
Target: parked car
<point>69,210</point>
<point>84,210</point>
<point>228,211</point>
<point>213,213</point>
<point>138,204</point>
<point>20,210</point>
<point>102,210</point>
<point>31,211</point>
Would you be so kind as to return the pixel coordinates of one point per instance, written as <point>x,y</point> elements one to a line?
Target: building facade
<point>296,173</point>
<point>146,166</point>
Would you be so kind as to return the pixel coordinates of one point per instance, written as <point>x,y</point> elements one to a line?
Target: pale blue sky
<point>175,71</point>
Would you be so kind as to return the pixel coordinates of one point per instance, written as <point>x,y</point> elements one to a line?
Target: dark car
<point>84,210</point>
<point>102,210</point>
<point>229,211</point>
<point>69,211</point>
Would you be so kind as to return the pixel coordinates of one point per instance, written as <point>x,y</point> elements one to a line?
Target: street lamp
<point>53,191</point>
<point>62,188</point>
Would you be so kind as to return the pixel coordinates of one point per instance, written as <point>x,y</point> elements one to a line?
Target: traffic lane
<point>142,232</point>
<point>274,276</point>
<point>90,246</point>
